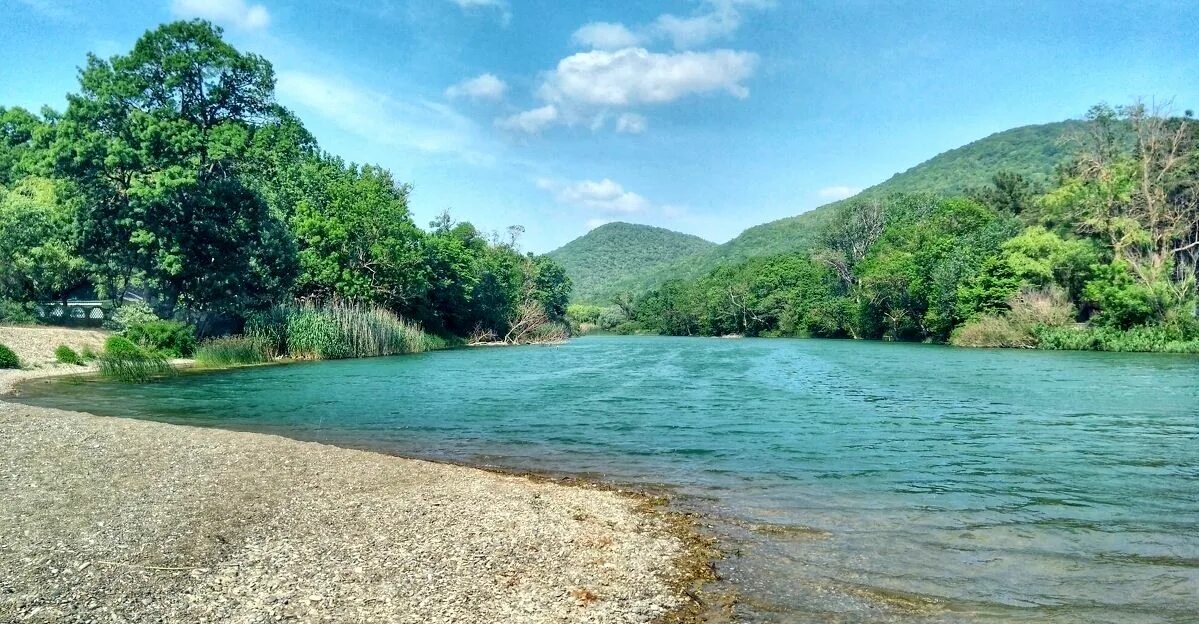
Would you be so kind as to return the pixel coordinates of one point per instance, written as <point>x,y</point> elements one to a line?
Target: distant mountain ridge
<point>616,251</point>
<point>1032,151</point>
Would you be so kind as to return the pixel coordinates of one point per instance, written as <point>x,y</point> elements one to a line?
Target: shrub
<point>992,331</point>
<point>170,338</point>
<point>120,346</point>
<point>66,355</point>
<point>8,359</point>
<point>16,312</point>
<point>88,353</point>
<point>125,361</point>
<point>130,314</point>
<point>1050,307</point>
<point>231,351</point>
<point>1141,338</point>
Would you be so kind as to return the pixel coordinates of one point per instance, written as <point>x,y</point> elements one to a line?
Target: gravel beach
<point>119,520</point>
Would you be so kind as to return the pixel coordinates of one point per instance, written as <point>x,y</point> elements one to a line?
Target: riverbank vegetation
<point>174,174</point>
<point>1103,258</point>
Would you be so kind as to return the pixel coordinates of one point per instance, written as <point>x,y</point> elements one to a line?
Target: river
<point>851,481</point>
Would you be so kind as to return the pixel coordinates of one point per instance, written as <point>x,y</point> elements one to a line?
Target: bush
<point>66,355</point>
<point>8,359</point>
<point>123,360</point>
<point>232,351</point>
<point>130,314</point>
<point>16,312</point>
<point>120,346</point>
<point>992,331</point>
<point>170,338</point>
<point>1136,339</point>
<point>88,353</point>
<point>1029,311</point>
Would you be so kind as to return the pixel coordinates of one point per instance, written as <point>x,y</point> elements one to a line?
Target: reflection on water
<point>860,482</point>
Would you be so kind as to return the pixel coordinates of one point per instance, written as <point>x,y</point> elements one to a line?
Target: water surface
<point>857,482</point>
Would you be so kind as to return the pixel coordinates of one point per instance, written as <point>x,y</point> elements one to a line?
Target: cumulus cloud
<point>631,123</point>
<point>530,121</point>
<point>637,76</point>
<point>499,6</point>
<point>837,192</point>
<point>377,117</point>
<point>605,36</point>
<point>603,196</point>
<point>482,87</point>
<point>236,13</point>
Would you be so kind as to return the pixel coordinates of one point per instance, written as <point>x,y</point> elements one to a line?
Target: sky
<point>702,116</point>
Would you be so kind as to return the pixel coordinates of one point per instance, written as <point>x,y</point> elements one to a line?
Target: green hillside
<point>613,251</point>
<point>1032,151</point>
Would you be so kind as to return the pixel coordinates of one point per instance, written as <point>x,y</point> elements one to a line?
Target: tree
<point>39,259</point>
<point>155,142</point>
<point>357,239</point>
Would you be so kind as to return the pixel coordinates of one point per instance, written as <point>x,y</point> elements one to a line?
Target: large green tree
<point>156,141</point>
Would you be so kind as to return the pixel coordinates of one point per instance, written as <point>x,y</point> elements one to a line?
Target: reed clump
<point>232,351</point>
<point>337,330</point>
<point>123,360</point>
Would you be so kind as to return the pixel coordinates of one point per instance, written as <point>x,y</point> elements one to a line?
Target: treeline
<point>1103,259</point>
<point>174,171</point>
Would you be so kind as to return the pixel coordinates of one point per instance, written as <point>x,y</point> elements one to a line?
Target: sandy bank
<point>120,520</point>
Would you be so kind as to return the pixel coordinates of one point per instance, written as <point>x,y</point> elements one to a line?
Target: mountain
<point>1032,151</point>
<point>614,251</point>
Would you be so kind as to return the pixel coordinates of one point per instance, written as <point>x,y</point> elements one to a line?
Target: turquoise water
<point>853,481</point>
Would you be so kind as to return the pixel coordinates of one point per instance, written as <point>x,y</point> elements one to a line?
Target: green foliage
<point>156,143</point>
<point>1027,157</point>
<point>88,354</point>
<point>120,346</point>
<point>169,338</point>
<point>336,331</point>
<point>39,259</point>
<point>123,360</point>
<point>231,351</point>
<point>1142,338</point>
<point>130,314</point>
<point>8,359</point>
<point>66,355</point>
<point>19,313</point>
<point>621,252</point>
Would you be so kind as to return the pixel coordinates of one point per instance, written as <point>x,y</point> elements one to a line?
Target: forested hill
<point>1031,151</point>
<point>619,250</point>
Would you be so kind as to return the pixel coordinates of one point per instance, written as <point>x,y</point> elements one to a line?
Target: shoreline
<point>680,576</point>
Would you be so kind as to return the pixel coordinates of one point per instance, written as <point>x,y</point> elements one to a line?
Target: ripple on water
<point>860,482</point>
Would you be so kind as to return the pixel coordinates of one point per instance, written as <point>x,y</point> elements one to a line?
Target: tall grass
<point>124,361</point>
<point>336,330</point>
<point>231,351</point>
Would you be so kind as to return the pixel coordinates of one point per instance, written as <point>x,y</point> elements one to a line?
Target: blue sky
<point>704,116</point>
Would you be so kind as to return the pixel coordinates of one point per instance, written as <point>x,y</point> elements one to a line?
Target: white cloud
<point>714,20</point>
<point>235,13</point>
<point>603,196</point>
<point>636,76</point>
<point>482,87</point>
<point>500,6</point>
<point>605,36</point>
<point>377,117</point>
<point>837,192</point>
<point>631,123</point>
<point>530,121</point>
